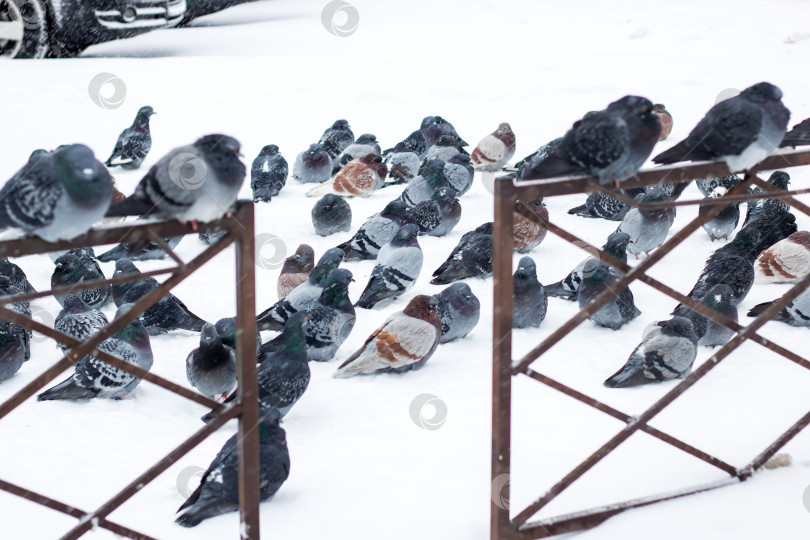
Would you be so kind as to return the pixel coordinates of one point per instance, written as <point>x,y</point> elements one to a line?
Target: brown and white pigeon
<point>495,150</point>
<point>528,234</point>
<point>359,178</point>
<point>787,261</point>
<point>666,120</point>
<point>405,341</point>
<point>296,270</point>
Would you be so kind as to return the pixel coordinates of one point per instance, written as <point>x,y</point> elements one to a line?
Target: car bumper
<point>140,15</point>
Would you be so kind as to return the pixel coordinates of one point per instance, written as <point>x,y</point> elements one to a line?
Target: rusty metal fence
<point>239,228</point>
<point>508,194</point>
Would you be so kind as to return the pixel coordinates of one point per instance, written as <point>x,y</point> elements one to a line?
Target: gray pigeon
<point>459,173</point>
<point>78,320</point>
<point>602,205</point>
<point>312,165</point>
<point>530,300</point>
<point>423,187</point>
<point>596,278</point>
<point>472,257</point>
<point>275,317</point>
<point>364,145</point>
<point>719,299</point>
<point>404,342</point>
<point>23,308</point>
<point>708,185</point>
<point>73,268</point>
<point>58,195</point>
<point>415,143</point>
<point>198,182</point>
<point>459,310</point>
<point>296,270</point>
<point>667,351</point>
<point>439,215</point>
<point>568,287</point>
<point>337,138</point>
<point>133,143</point>
<point>226,329</point>
<point>377,231</point>
<point>495,150</point>
<point>268,174</point>
<point>612,143</point>
<point>647,228</point>
<point>12,349</point>
<point>398,265</point>
<point>435,127</point>
<point>329,321</point>
<point>797,313</point>
<point>94,378</point>
<point>15,275</point>
<point>444,148</point>
<point>331,214</point>
<point>741,131</point>
<point>168,314</point>
<point>211,367</point>
<point>218,492</point>
<point>142,251</point>
<point>721,226</point>
<point>402,167</point>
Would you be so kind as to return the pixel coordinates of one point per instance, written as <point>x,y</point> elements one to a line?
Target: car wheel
<point>23,29</point>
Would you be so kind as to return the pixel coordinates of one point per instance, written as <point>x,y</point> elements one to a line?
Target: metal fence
<point>508,194</point>
<point>239,227</point>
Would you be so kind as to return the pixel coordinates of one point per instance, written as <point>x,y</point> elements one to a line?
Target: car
<point>198,8</point>
<point>63,28</point>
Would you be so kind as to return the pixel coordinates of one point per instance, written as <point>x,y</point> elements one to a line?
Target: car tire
<point>23,28</point>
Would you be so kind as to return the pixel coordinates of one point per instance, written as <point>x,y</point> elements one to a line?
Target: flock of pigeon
<point>62,193</point>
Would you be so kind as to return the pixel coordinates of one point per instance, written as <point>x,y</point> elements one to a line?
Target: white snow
<point>269,72</point>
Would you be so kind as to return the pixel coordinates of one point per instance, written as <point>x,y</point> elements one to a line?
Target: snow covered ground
<point>269,72</point>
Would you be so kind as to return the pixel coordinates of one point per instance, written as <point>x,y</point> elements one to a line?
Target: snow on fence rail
<point>508,196</point>
<point>239,227</point>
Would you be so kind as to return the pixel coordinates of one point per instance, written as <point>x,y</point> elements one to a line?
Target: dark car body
<point>198,8</point>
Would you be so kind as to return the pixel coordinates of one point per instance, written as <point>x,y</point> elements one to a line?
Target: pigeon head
<point>486,228</point>
<point>336,291</point>
<point>406,236</point>
<point>375,162</point>
<point>460,159</point>
<point>719,296</point>
<point>429,121</point>
<point>434,173</point>
<point>301,261</point>
<point>217,144</point>
<point>222,153</point>
<point>505,134</point>
<point>396,211</point>
<point>366,138</point>
<point>68,266</point>
<point>73,303</point>
<point>424,307</point>
<point>460,296</point>
<point>635,105</point>
<point>341,124</point>
<point>39,152</point>
<point>779,179</point>
<point>329,261</point>
<point>432,133</point>
<point>655,194</point>
<point>146,111</point>
<point>762,92</point>
<point>85,178</point>
<point>269,150</point>
<point>125,266</point>
<point>526,270</point>
<point>617,245</point>
<point>226,329</point>
<point>209,336</point>
<point>665,118</point>
<point>316,156</point>
<point>679,327</point>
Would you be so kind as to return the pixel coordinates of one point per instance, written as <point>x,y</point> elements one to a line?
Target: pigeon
<point>398,265</point>
<point>296,270</point>
<point>459,173</point>
<point>741,131</point>
<point>719,299</point>
<point>331,214</point>
<point>527,233</point>
<point>133,143</point>
<point>611,144</point>
<point>12,349</point>
<point>313,165</point>
<point>648,228</point>
<point>336,138</point>
<point>358,178</point>
<point>434,127</point>
<point>422,187</point>
<point>226,330</point>
<point>459,310</point>
<point>707,186</point>
<point>530,300</point>
<point>168,314</point>
<point>87,254</point>
<point>72,269</point>
<point>268,174</point>
<point>23,308</point>
<point>58,195</point>
<point>534,159</point>
<point>797,313</point>
<point>404,342</point>
<point>275,317</point>
<point>439,215</point>
<point>472,257</point>
<point>666,120</point>
<point>211,367</point>
<point>568,287</point>
<point>402,167</point>
<point>771,228</point>
<point>721,226</point>
<point>78,320</point>
<point>364,145</point>
<point>596,278</point>
<point>94,378</point>
<point>218,492</point>
<point>194,183</point>
<point>787,261</point>
<point>142,251</point>
<point>602,205</point>
<point>415,143</point>
<point>666,352</point>
<point>329,321</point>
<point>495,150</point>
<point>769,207</point>
<point>377,231</point>
<point>445,148</point>
<point>798,136</point>
<point>15,275</point>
